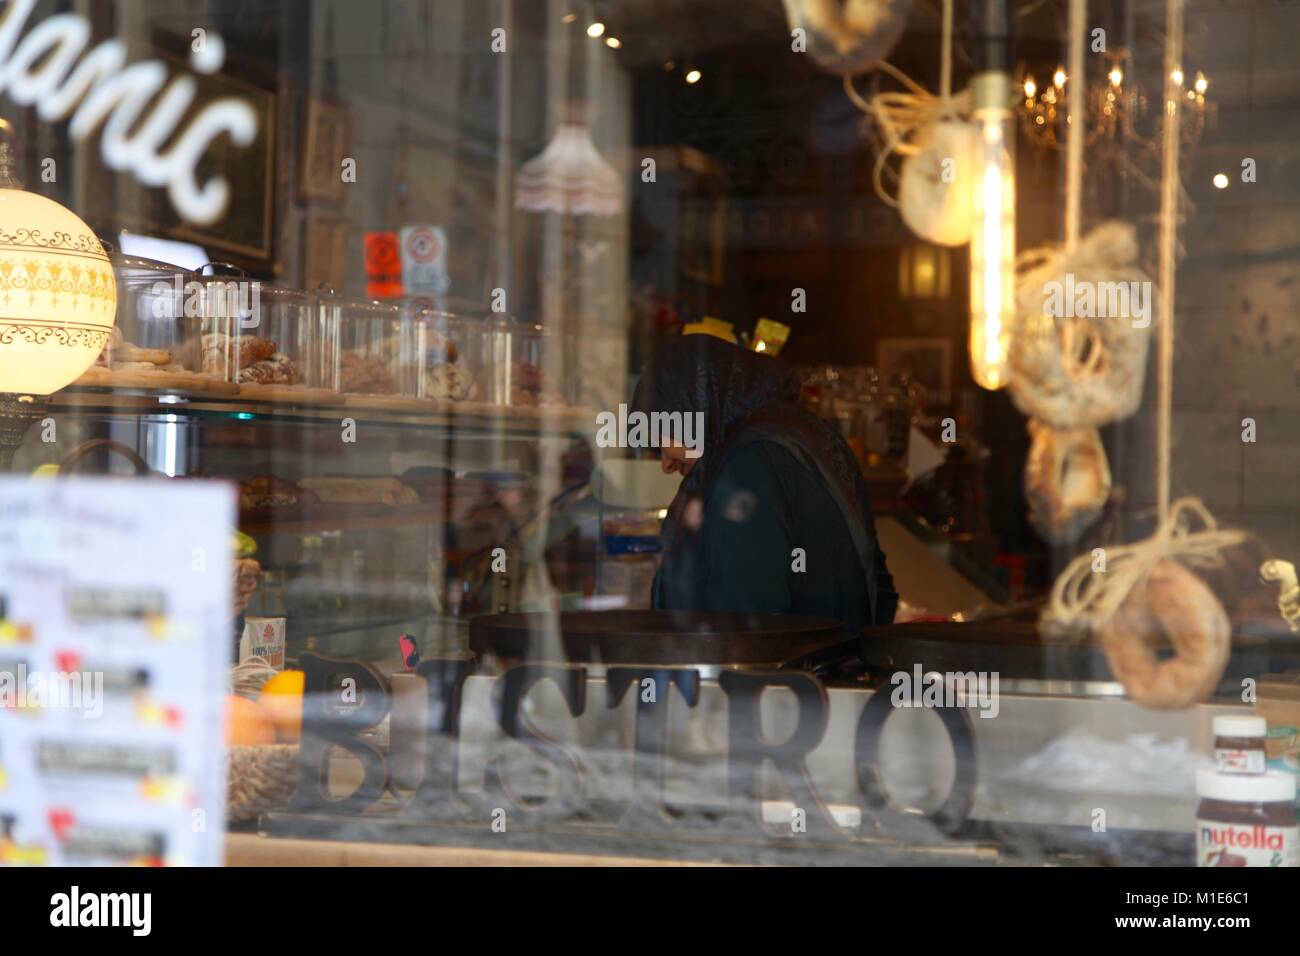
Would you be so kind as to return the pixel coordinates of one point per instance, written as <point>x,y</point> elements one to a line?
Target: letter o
<point>950,817</point>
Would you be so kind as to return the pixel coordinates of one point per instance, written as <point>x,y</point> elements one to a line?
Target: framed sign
<point>324,144</point>
<point>324,246</point>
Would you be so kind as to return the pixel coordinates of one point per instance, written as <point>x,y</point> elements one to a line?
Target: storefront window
<point>799,432</point>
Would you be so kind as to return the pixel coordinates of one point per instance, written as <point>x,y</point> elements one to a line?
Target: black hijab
<point>745,397</point>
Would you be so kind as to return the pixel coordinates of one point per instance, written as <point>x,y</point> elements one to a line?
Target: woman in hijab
<point>772,514</point>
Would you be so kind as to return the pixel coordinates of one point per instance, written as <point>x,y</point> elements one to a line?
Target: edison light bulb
<point>993,239</point>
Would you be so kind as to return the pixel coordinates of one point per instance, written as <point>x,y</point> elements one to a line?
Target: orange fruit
<point>247,724</point>
<point>282,700</point>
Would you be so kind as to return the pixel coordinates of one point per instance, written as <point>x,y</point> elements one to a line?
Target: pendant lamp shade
<point>570,176</point>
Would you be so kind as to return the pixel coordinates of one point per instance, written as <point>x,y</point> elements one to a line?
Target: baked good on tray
<point>257,359</point>
<point>277,369</point>
<point>450,380</point>
<point>528,385</point>
<point>118,353</point>
<point>385,491</point>
<point>268,491</point>
<point>366,375</point>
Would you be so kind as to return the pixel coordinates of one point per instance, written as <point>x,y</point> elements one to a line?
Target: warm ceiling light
<point>613,42</point>
<point>1177,77</point>
<point>596,29</point>
<point>1058,78</point>
<point>1030,88</point>
<point>993,232</point>
<point>1202,84</point>
<point>693,76</point>
<point>1116,76</point>
<point>1220,181</point>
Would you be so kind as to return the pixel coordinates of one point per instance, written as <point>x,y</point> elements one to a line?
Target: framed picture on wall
<point>324,254</point>
<point>924,360</point>
<point>324,145</point>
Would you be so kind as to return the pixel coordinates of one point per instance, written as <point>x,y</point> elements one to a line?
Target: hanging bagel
<point>934,186</point>
<point>1067,481</point>
<point>1083,327</point>
<point>848,36</point>
<point>1175,605</point>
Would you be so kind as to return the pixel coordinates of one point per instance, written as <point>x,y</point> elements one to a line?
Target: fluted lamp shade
<point>58,297</point>
<point>570,176</point>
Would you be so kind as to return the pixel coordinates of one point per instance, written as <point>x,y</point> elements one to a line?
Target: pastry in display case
<point>348,490</point>
<point>153,343</point>
<point>443,373</point>
<point>402,354</point>
<point>507,363</point>
<point>273,342</point>
<point>374,353</point>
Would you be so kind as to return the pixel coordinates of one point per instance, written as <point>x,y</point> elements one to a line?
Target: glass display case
<point>475,408</point>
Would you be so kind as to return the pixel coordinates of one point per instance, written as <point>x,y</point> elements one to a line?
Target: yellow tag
<point>711,326</point>
<point>769,336</point>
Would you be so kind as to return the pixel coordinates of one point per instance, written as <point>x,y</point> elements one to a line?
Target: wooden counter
<point>249,849</point>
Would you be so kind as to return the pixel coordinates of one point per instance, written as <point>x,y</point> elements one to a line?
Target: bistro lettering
<point>326,726</point>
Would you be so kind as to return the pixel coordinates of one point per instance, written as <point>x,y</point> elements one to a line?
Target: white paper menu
<point>115,634</point>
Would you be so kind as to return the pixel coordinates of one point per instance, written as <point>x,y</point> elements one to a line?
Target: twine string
<point>900,114</point>
<point>1082,596</point>
<point>1185,529</point>
<point>1169,188</point>
<point>1074,131</point>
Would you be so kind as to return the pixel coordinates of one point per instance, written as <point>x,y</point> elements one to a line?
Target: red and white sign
<point>424,260</point>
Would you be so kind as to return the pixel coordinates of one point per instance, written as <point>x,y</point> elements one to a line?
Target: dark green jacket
<point>774,539</point>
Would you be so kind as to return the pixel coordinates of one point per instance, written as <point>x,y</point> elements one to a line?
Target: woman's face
<point>677,458</point>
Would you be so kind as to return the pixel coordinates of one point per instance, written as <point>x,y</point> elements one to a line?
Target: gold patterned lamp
<point>58,300</point>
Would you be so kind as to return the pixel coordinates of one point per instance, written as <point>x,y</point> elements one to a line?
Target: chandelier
<point>1115,109</point>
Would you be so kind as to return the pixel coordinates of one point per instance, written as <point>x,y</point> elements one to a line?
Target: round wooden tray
<point>290,394</point>
<point>521,411</point>
<point>400,402</point>
<point>190,383</point>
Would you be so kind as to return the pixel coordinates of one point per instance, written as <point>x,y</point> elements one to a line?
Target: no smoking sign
<point>424,260</point>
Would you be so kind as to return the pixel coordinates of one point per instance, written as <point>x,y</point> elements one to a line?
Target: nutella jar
<point>1246,819</point>
<point>1239,744</point>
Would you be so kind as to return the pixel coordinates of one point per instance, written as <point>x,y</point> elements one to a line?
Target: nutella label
<point>1240,761</point>
<point>1246,844</point>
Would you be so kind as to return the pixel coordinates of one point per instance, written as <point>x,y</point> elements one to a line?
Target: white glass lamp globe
<point>58,296</point>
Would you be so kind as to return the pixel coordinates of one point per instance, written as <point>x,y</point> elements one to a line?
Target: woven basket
<point>260,779</point>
